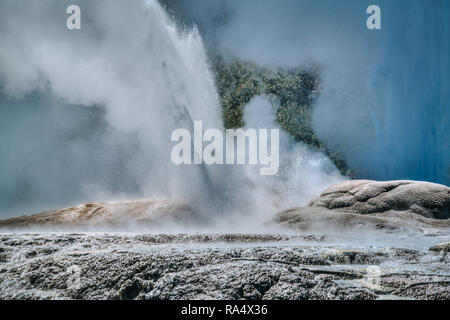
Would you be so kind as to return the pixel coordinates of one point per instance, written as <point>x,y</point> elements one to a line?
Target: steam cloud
<point>87,116</point>
<point>385,94</point>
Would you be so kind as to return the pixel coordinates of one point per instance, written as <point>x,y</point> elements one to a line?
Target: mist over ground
<point>87,116</point>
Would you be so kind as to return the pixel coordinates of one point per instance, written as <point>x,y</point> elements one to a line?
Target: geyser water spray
<point>87,114</point>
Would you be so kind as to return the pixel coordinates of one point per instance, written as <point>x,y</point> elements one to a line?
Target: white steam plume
<point>385,93</point>
<point>87,115</point>
<point>130,62</point>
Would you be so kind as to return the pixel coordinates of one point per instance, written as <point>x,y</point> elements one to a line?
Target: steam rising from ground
<point>385,94</point>
<point>118,88</point>
<point>87,116</point>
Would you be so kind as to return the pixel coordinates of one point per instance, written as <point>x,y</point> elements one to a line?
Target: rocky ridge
<point>107,266</point>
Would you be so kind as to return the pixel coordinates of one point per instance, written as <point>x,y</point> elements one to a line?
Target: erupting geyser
<point>127,119</point>
<point>87,115</point>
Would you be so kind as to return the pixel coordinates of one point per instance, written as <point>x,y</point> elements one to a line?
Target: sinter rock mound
<point>118,214</point>
<point>348,204</point>
<point>387,205</point>
<point>368,197</point>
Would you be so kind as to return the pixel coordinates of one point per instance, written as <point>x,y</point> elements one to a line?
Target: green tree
<point>293,90</point>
